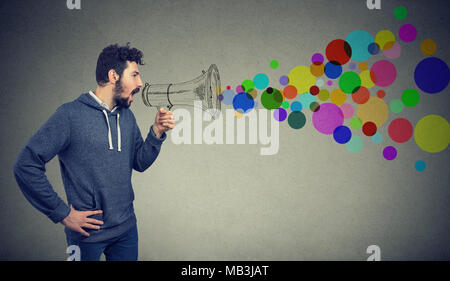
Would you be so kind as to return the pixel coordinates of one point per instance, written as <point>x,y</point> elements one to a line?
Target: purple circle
<point>239,89</point>
<point>280,114</point>
<point>317,57</point>
<point>284,80</point>
<point>327,118</point>
<point>407,32</point>
<point>352,65</point>
<point>329,83</point>
<point>389,153</point>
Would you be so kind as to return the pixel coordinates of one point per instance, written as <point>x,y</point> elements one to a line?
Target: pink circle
<point>407,32</point>
<point>393,52</point>
<point>383,73</point>
<point>329,83</point>
<point>347,110</point>
<point>327,118</point>
<point>239,89</point>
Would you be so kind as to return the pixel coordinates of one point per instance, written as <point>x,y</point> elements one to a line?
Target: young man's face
<point>128,85</point>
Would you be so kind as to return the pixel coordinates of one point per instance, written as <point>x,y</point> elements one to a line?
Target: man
<point>98,144</point>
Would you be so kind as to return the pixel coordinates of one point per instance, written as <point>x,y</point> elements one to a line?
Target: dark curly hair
<point>116,57</point>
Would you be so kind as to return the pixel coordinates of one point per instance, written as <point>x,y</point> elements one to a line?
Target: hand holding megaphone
<point>164,121</point>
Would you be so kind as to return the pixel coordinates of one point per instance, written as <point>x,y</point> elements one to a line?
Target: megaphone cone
<point>205,88</point>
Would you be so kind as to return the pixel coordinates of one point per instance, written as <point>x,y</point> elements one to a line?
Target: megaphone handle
<point>170,104</point>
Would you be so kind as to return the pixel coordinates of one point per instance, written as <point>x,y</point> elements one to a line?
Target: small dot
<point>420,166</point>
<point>274,64</point>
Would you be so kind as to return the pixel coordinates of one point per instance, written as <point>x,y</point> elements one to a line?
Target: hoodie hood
<point>89,100</point>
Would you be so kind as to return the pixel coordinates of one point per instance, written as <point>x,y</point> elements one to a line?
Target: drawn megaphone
<point>205,88</point>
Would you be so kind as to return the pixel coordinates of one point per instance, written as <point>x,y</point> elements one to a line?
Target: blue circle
<point>373,48</point>
<point>261,81</point>
<point>332,70</point>
<point>227,97</point>
<point>296,106</point>
<point>342,134</point>
<point>420,166</point>
<point>360,41</point>
<point>432,75</point>
<point>243,101</point>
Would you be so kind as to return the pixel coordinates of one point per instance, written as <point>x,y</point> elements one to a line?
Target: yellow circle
<point>432,133</point>
<point>385,39</point>
<point>301,78</point>
<point>374,110</point>
<point>323,95</point>
<point>366,80</point>
<point>428,47</point>
<point>338,97</point>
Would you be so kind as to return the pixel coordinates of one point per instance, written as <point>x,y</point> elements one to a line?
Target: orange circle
<point>317,69</point>
<point>428,47</point>
<point>381,94</point>
<point>362,66</point>
<point>290,92</point>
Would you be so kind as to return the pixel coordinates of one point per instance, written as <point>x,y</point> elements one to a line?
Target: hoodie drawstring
<point>109,130</point>
<point>119,145</point>
<point>118,133</point>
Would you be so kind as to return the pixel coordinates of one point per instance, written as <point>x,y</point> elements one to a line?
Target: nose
<point>140,84</point>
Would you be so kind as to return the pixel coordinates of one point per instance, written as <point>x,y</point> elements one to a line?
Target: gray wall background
<point>313,200</point>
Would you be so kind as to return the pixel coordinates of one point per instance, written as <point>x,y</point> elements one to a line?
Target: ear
<point>113,76</point>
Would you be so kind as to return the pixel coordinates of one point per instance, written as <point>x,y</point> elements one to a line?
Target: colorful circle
<point>342,134</point>
<point>332,70</point>
<point>389,153</point>
<point>301,78</point>
<point>428,47</point>
<point>400,130</point>
<point>393,52</point>
<point>349,82</point>
<point>361,96</point>
<point>290,92</point>
<point>400,12</point>
<point>396,106</point>
<point>432,133</point>
<point>280,114</point>
<point>327,118</point>
<point>359,41</point>
<point>317,69</point>
<point>381,94</point>
<point>296,120</point>
<point>420,166</point>
<point>338,51</point>
<point>338,97</point>
<point>271,98</point>
<point>377,138</point>
<point>244,102</point>
<point>374,110</point>
<point>407,32</point>
<point>248,86</point>
<point>410,97</point>
<point>347,110</point>
<point>355,144</point>
<point>432,75</point>
<point>261,81</point>
<point>296,106</point>
<point>317,58</point>
<point>274,64</point>
<point>284,80</point>
<point>323,95</point>
<point>369,129</point>
<point>385,39</point>
<point>355,123</point>
<point>383,73</point>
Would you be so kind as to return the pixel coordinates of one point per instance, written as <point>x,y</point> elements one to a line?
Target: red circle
<point>381,94</point>
<point>361,96</point>
<point>228,87</point>
<point>400,130</point>
<point>314,90</point>
<point>338,51</point>
<point>290,92</point>
<point>369,129</point>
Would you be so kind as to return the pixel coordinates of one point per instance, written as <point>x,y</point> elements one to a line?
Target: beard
<point>118,90</point>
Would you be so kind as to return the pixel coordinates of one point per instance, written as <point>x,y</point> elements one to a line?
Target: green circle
<point>355,123</point>
<point>248,85</point>
<point>410,97</point>
<point>349,82</point>
<point>296,119</point>
<point>323,95</point>
<point>285,104</point>
<point>396,106</point>
<point>400,12</point>
<point>272,100</point>
<point>274,64</point>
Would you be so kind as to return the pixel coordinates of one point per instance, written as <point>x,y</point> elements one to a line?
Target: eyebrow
<point>136,72</point>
